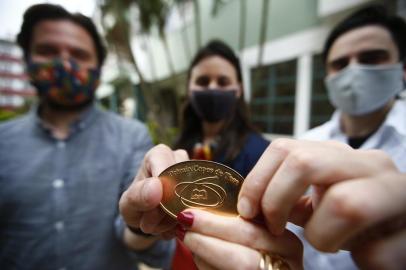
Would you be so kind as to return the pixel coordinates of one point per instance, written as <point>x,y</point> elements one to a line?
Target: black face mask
<point>213,105</point>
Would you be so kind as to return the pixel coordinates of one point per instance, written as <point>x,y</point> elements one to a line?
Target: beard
<point>60,107</point>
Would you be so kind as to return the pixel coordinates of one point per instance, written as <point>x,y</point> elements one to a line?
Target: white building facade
<point>286,92</point>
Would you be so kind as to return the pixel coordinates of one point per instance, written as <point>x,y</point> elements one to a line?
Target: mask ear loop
<point>404,80</point>
<point>402,93</point>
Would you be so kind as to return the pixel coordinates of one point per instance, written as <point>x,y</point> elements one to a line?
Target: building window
<point>273,97</point>
<point>321,108</point>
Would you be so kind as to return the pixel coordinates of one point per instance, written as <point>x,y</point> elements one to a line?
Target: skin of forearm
<point>138,242</point>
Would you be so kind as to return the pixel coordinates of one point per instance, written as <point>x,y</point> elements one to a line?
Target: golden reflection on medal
<point>210,186</point>
<point>201,184</point>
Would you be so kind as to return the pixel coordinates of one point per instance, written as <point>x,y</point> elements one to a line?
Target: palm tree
<point>155,12</point>
<point>197,18</point>
<point>152,13</point>
<point>118,35</point>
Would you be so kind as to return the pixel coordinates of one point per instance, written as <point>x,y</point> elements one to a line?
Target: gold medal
<point>201,184</point>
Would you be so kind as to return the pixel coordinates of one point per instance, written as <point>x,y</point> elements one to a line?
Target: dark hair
<point>216,48</point>
<point>237,125</point>
<point>371,15</point>
<point>42,12</point>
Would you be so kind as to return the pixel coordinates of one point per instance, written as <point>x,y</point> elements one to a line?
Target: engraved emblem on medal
<point>200,184</point>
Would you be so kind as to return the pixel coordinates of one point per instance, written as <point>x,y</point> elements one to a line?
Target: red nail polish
<point>185,218</point>
<point>180,232</point>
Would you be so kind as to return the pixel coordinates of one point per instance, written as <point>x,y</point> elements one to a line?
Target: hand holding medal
<point>214,188</point>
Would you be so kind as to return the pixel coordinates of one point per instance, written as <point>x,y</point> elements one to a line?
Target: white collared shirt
<point>390,137</point>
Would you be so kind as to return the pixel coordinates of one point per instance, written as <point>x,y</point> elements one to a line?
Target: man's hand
<point>278,183</point>
<point>139,204</point>
<point>367,216</point>
<point>357,201</point>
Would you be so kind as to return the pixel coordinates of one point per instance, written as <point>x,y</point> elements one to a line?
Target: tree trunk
<point>136,67</point>
<point>243,8</point>
<point>197,24</point>
<point>168,54</point>
<point>262,36</point>
<point>151,58</point>
<point>127,53</point>
<point>186,44</point>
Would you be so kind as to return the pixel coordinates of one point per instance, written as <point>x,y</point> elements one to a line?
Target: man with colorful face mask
<point>65,165</point>
<point>364,58</point>
<point>64,86</point>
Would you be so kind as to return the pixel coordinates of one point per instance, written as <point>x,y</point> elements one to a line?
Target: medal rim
<point>194,161</point>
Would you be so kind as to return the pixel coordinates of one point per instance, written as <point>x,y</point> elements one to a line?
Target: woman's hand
<point>219,242</point>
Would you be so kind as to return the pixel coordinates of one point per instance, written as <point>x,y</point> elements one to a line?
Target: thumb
<point>141,196</point>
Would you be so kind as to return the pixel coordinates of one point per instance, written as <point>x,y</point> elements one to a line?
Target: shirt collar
<point>335,122</point>
<point>396,115</point>
<point>393,119</point>
<point>84,120</point>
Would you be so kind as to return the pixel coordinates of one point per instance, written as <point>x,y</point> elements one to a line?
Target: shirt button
<point>59,226</point>
<point>58,183</point>
<point>61,144</point>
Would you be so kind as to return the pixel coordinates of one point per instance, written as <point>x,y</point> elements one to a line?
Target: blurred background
<point>151,43</point>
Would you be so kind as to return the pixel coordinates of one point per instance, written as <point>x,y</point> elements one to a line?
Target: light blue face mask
<point>361,89</point>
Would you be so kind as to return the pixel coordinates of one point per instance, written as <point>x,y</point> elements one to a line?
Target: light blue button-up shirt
<point>59,199</point>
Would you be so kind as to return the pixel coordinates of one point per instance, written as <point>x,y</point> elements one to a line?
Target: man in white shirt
<point>364,59</point>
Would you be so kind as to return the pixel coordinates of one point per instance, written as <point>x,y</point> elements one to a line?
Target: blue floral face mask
<point>64,86</point>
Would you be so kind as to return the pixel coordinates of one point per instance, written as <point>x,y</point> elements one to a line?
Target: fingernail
<point>244,208</point>
<point>146,190</point>
<point>180,232</point>
<point>185,218</point>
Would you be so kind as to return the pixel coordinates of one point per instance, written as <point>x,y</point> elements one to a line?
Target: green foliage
<point>118,34</point>
<point>162,135</point>
<point>153,12</point>
<point>6,115</point>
